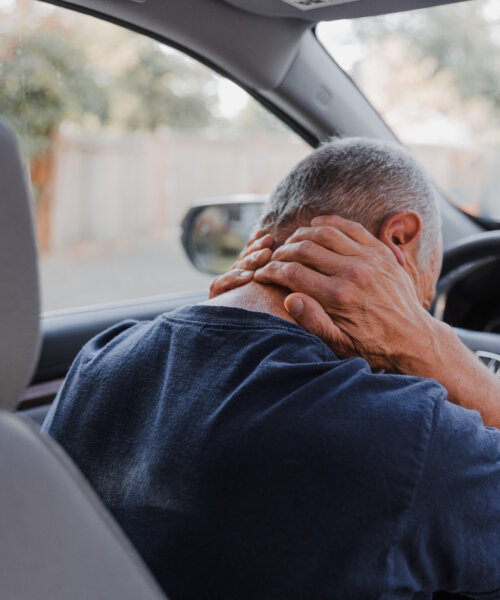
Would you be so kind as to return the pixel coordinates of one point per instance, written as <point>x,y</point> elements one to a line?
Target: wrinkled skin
<point>362,298</point>
<point>254,255</point>
<point>341,276</point>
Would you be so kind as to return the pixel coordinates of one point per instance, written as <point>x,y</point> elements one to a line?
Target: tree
<point>45,80</point>
<point>463,42</point>
<point>163,88</point>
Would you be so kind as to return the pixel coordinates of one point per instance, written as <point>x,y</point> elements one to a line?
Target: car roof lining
<point>255,50</point>
<point>330,10</point>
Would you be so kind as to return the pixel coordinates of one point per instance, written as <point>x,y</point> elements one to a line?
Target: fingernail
<point>295,307</point>
<point>317,221</point>
<point>245,273</point>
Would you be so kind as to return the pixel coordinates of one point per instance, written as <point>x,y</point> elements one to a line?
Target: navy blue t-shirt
<point>246,461</point>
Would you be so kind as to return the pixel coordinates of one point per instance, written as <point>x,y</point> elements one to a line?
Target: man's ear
<point>401,232</point>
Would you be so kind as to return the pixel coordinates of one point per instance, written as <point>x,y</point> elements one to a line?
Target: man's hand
<point>351,291</point>
<point>255,254</point>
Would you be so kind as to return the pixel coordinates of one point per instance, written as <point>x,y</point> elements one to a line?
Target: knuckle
<point>305,248</point>
<point>349,271</point>
<point>300,231</point>
<point>270,268</point>
<point>356,227</point>
<point>325,233</point>
<point>279,253</point>
<point>256,259</point>
<point>342,296</point>
<point>360,276</point>
<point>353,272</point>
<point>251,262</point>
<point>292,270</point>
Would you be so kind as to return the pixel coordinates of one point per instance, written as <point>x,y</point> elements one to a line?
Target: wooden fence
<point>106,187</point>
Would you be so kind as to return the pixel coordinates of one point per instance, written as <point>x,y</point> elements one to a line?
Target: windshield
<point>434,76</point>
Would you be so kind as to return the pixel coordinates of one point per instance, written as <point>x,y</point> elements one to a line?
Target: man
<point>246,460</point>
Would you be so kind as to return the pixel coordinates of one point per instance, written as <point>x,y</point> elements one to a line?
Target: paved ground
<point>92,275</point>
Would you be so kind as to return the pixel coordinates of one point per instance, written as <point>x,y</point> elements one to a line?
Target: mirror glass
<point>216,234</point>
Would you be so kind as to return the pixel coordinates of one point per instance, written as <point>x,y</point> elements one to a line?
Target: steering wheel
<point>472,248</point>
<point>459,259</point>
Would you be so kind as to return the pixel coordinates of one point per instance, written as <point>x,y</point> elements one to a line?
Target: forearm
<point>443,357</point>
<point>352,292</point>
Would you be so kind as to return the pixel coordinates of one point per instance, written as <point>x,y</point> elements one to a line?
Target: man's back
<point>244,460</point>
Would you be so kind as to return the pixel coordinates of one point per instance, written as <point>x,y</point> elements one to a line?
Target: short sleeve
<point>450,536</point>
<point>66,413</point>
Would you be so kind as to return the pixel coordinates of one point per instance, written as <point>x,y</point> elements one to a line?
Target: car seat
<point>57,541</point>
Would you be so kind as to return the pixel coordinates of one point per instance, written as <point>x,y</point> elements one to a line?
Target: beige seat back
<point>57,541</point>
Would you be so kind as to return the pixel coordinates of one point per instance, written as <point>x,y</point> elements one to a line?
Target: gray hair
<point>361,180</point>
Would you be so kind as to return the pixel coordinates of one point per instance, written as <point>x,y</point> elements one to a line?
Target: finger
<point>258,234</point>
<point>310,315</point>
<point>250,241</point>
<point>229,281</point>
<point>298,278</point>
<point>254,261</point>
<point>253,245</point>
<point>351,229</point>
<point>328,237</point>
<point>358,233</point>
<point>311,255</point>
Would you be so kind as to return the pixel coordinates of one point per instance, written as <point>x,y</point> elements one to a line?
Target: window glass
<point>434,75</point>
<point>121,135</point>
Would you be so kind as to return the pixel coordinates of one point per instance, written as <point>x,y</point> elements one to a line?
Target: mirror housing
<point>215,230</point>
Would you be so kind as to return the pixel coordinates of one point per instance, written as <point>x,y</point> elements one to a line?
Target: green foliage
<point>45,79</point>
<point>167,89</point>
<point>463,42</point>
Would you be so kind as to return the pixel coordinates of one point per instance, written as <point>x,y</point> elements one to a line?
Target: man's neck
<point>255,296</point>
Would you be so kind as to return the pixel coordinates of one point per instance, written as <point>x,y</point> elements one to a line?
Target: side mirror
<point>215,230</point>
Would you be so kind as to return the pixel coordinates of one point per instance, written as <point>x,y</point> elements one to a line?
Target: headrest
<point>19,296</point>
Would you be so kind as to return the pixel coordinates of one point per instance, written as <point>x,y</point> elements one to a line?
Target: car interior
<point>58,541</point>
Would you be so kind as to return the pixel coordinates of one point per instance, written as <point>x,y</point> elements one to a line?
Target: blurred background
<point>434,76</point>
<point>121,134</point>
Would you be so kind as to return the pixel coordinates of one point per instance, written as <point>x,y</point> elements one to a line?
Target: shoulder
<point>111,356</point>
<point>396,400</point>
<point>380,424</point>
<point>117,336</point>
